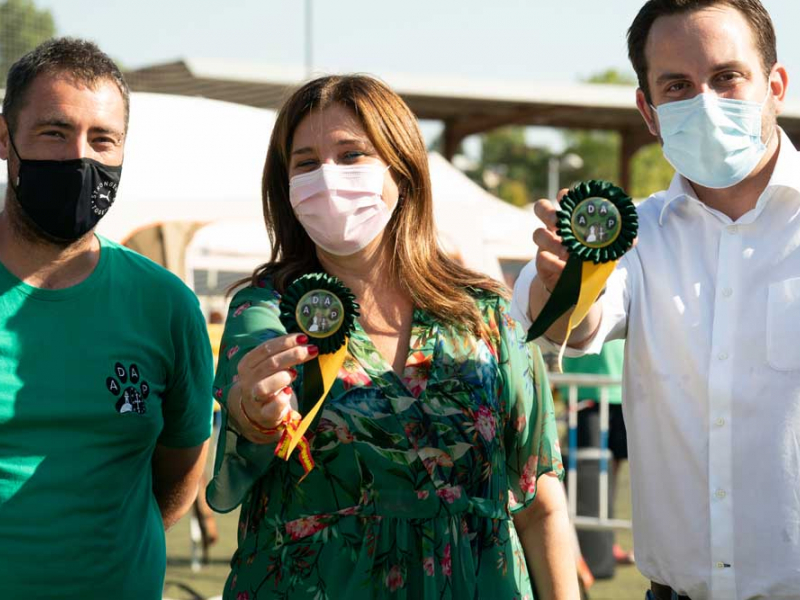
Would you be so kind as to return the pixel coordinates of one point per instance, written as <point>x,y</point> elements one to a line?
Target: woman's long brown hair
<point>435,282</point>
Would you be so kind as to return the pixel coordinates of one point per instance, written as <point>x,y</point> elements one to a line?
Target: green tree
<point>650,171</point>
<point>600,151</point>
<point>510,168</point>
<point>22,28</point>
<point>612,76</point>
<point>517,173</point>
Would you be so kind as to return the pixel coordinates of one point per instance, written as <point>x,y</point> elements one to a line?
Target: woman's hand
<point>262,398</point>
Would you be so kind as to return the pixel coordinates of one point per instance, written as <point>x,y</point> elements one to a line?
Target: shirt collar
<point>785,175</point>
<point>787,167</point>
<point>679,188</point>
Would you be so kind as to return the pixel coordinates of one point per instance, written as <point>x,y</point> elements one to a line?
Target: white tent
<point>224,252</point>
<point>485,230</point>
<point>193,162</point>
<point>481,230</point>
<point>187,159</point>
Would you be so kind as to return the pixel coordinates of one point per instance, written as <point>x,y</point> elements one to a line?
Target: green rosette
<point>619,237</point>
<point>597,223</point>
<point>323,308</point>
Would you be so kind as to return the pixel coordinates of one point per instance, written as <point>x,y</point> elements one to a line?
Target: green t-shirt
<point>91,378</point>
<point>608,362</point>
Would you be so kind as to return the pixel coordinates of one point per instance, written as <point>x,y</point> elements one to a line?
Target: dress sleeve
<point>253,318</point>
<point>530,435</point>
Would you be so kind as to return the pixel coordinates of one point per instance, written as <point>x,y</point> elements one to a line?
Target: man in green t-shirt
<point>105,366</point>
<point>607,362</point>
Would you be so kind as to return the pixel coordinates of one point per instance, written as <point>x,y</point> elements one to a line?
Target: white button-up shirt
<point>710,309</point>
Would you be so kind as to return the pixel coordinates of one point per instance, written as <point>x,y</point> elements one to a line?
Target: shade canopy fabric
<point>198,162</point>
<point>474,226</point>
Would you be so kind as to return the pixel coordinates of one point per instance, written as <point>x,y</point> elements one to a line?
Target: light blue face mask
<point>712,141</point>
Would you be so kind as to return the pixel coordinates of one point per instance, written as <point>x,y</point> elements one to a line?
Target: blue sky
<point>507,39</point>
<point>534,40</point>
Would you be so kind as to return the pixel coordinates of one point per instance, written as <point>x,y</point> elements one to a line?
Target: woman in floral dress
<point>433,441</point>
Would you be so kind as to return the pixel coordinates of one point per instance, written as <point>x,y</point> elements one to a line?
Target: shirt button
<point>720,422</point>
<point>720,565</point>
<point>722,356</point>
<point>720,494</point>
<point>733,229</point>
<point>727,292</point>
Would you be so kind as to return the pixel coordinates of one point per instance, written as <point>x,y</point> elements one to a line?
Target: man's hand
<point>551,258</point>
<point>552,255</point>
<point>176,475</point>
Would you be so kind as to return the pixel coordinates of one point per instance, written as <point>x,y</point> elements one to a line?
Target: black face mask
<point>65,198</point>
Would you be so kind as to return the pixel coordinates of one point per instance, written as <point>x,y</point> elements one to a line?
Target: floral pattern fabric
<point>416,478</point>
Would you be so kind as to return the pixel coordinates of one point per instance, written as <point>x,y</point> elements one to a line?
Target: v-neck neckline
<point>419,356</point>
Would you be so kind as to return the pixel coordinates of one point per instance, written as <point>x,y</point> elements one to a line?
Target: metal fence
<point>602,454</point>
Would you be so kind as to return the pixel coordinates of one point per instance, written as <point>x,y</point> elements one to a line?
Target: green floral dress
<point>416,477</point>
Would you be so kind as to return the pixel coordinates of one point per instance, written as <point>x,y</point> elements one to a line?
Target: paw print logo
<point>132,396</point>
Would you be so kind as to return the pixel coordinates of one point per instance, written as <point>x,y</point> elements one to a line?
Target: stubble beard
<point>26,228</point>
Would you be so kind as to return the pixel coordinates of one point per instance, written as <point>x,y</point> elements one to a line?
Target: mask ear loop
<point>401,186</point>
<point>14,187</point>
<point>763,103</point>
<point>771,135</point>
<point>768,94</point>
<point>654,118</point>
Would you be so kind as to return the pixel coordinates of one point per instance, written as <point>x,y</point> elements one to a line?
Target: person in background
<point>437,463</point>
<point>105,365</point>
<point>206,523</point>
<point>598,547</point>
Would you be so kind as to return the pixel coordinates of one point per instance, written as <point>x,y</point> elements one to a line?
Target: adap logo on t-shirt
<point>131,397</point>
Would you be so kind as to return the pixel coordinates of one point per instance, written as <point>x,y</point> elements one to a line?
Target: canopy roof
<point>469,105</point>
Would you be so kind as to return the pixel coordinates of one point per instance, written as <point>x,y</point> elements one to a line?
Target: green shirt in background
<point>91,378</point>
<point>608,362</point>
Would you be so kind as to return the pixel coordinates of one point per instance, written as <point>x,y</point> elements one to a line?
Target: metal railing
<point>573,381</point>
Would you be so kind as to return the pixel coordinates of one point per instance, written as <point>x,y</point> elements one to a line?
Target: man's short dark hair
<point>79,60</point>
<point>752,10</point>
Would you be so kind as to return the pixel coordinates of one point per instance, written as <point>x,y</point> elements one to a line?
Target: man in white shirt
<point>709,302</point>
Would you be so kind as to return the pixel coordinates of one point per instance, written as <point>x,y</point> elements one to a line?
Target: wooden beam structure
<point>465,107</point>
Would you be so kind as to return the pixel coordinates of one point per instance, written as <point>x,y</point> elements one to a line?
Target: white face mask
<point>341,207</point>
<point>712,141</point>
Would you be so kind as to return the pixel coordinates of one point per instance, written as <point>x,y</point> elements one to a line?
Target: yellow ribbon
<point>593,280</point>
<point>294,430</point>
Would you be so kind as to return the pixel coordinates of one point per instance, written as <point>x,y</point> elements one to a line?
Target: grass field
<point>627,583</point>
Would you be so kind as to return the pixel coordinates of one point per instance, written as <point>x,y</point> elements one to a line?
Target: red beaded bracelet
<point>256,426</point>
